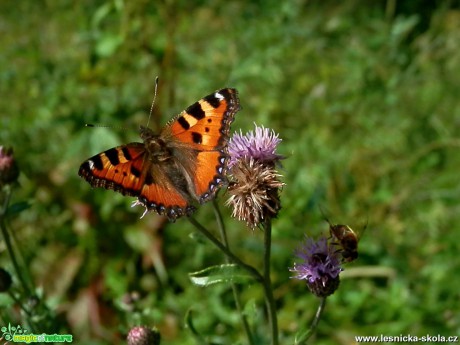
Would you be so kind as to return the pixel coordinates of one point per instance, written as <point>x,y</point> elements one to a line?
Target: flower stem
<point>29,316</point>
<point>319,312</point>
<point>236,296</point>
<point>263,279</point>
<point>269,299</point>
<point>5,195</point>
<point>251,270</point>
<point>302,339</point>
<point>8,243</point>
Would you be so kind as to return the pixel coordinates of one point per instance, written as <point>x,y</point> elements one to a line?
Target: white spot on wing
<point>91,164</point>
<point>219,96</point>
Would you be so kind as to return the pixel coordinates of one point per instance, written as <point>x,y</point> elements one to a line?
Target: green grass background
<point>364,94</point>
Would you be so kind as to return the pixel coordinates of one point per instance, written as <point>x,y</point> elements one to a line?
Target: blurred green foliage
<point>365,96</point>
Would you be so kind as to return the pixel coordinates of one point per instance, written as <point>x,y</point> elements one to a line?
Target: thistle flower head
<point>254,192</point>
<point>254,182</point>
<point>260,145</point>
<point>320,266</point>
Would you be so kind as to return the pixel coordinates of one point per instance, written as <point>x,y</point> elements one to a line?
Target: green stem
<point>8,243</point>
<point>319,312</point>
<point>251,270</point>
<point>269,299</point>
<point>28,291</point>
<point>26,311</point>
<point>314,324</point>
<point>263,279</point>
<point>236,296</point>
<point>220,223</point>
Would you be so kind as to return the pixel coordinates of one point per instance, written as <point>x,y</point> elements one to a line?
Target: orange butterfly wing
<point>185,163</point>
<point>118,168</point>
<point>205,127</point>
<point>126,169</point>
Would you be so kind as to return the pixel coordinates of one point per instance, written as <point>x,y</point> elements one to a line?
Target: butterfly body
<point>171,171</point>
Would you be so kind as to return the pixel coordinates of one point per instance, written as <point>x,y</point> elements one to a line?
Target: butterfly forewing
<point>205,125</point>
<point>119,169</point>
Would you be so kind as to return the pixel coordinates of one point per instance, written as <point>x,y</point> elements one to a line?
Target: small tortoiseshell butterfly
<point>171,171</point>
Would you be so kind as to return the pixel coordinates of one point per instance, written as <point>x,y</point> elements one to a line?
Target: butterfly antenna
<point>153,102</point>
<point>102,126</point>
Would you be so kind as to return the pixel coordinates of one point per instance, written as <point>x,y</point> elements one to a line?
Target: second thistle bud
<point>9,171</point>
<point>5,280</point>
<point>143,335</point>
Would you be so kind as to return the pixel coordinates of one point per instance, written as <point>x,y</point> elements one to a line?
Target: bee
<point>347,240</point>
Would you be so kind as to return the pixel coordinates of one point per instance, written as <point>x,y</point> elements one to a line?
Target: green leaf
<point>189,324</point>
<point>220,274</point>
<point>302,336</point>
<point>18,207</point>
<point>108,44</point>
<point>101,13</point>
<point>251,311</point>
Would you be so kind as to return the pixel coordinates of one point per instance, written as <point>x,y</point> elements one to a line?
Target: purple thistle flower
<point>254,182</point>
<point>320,267</point>
<point>259,145</point>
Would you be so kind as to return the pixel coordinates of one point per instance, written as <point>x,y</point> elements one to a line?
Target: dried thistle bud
<point>5,280</point>
<point>254,192</point>
<point>9,170</point>
<point>142,335</point>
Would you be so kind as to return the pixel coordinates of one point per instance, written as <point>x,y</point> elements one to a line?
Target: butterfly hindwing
<point>165,201</point>
<point>209,174</point>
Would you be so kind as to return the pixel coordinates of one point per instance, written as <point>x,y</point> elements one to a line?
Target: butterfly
<point>172,171</point>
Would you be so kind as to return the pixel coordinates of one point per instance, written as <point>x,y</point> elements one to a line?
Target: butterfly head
<point>146,133</point>
<point>155,145</point>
